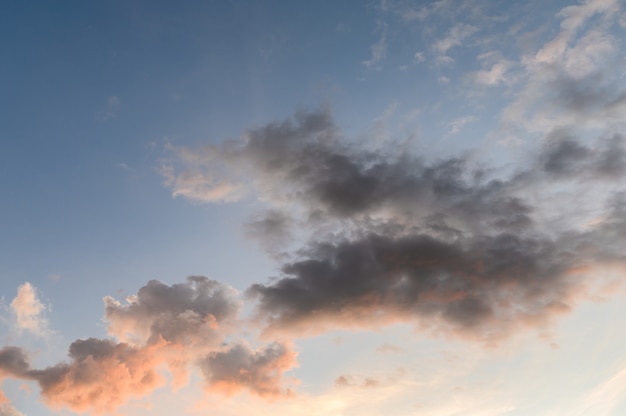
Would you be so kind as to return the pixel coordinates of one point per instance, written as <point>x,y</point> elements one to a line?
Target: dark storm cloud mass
<point>442,243</point>
<point>469,284</point>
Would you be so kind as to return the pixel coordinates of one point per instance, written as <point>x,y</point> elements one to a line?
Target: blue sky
<point>410,207</point>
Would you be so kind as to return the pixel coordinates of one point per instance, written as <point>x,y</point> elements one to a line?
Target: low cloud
<point>185,326</point>
<point>196,312</point>
<point>240,367</point>
<point>100,376</point>
<point>446,244</point>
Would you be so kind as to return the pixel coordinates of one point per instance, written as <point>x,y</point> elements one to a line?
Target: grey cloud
<point>565,157</point>
<point>611,161</point>
<point>101,375</point>
<point>304,165</point>
<point>13,362</point>
<point>175,327</point>
<point>395,237</point>
<point>272,228</point>
<point>184,313</point>
<point>240,367</point>
<point>467,284</point>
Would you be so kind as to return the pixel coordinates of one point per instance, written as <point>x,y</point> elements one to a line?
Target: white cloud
<point>455,126</point>
<point>197,181</point>
<point>455,37</point>
<point>29,310</point>
<point>378,50</point>
<point>494,72</point>
<point>571,80</point>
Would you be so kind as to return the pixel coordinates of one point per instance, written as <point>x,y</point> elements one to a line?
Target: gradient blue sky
<point>135,142</point>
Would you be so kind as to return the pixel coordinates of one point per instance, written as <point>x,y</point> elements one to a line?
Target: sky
<point>313,208</point>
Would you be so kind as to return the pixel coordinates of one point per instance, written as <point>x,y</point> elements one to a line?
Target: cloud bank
<point>444,244</point>
<point>451,245</point>
<point>191,325</point>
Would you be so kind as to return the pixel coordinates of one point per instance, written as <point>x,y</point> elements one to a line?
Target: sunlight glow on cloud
<point>482,204</point>
<point>29,310</point>
<point>177,327</point>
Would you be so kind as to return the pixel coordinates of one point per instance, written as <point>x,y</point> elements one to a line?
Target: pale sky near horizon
<point>313,208</point>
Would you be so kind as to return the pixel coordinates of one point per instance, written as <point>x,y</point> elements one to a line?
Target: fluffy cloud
<point>447,244</point>
<point>444,244</point>
<point>191,313</point>
<point>13,362</point>
<point>29,310</point>
<point>240,367</point>
<point>479,285</point>
<point>101,375</point>
<point>179,327</point>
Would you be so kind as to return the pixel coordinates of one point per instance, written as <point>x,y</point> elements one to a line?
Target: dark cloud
<point>13,362</point>
<point>441,243</point>
<point>471,284</point>
<point>303,167</point>
<point>175,327</point>
<point>611,160</point>
<point>185,313</point>
<point>240,367</point>
<point>565,157</point>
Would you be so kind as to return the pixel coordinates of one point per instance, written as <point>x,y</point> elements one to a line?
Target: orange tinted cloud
<point>260,370</point>
<point>182,327</point>
<point>101,376</point>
